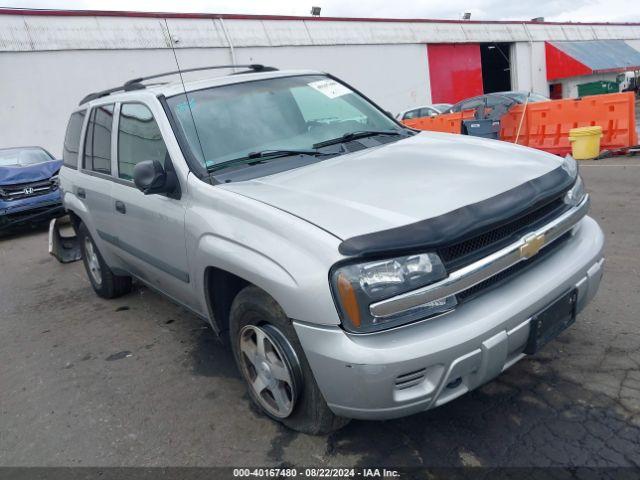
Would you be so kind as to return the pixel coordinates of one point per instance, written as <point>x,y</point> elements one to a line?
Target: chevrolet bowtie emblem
<point>532,245</point>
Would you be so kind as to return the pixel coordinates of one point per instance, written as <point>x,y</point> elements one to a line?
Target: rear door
<point>96,167</point>
<point>148,230</point>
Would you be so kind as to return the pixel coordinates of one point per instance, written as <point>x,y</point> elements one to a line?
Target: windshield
<point>21,157</point>
<point>299,112</point>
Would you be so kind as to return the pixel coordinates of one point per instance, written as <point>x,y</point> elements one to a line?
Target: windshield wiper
<point>257,157</point>
<point>353,135</point>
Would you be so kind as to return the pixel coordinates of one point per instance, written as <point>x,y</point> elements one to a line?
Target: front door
<point>148,230</point>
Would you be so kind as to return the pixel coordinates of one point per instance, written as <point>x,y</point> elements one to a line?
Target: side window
<point>495,100</point>
<point>411,114</point>
<point>472,104</point>
<point>97,142</point>
<point>139,139</point>
<point>427,112</point>
<point>72,140</point>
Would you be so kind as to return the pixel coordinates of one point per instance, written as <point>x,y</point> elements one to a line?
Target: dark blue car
<point>28,186</point>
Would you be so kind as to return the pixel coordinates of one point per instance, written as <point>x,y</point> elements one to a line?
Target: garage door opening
<point>496,67</point>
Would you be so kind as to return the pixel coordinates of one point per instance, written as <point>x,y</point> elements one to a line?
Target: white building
<point>49,60</point>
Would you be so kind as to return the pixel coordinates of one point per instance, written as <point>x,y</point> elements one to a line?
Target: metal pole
<point>229,42</point>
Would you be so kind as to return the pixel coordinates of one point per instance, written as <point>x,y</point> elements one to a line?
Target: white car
<point>424,111</point>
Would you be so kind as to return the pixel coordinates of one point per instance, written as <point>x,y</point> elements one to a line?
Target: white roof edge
<point>176,87</point>
<point>49,32</point>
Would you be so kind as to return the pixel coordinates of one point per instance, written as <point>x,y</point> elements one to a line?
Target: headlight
<point>357,286</point>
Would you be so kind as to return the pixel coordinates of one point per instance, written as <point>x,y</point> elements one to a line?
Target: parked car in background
<point>492,100</point>
<point>424,111</point>
<point>442,107</point>
<point>359,268</point>
<point>28,186</point>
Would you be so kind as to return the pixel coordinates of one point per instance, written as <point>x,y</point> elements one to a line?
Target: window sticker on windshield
<point>186,106</point>
<point>330,88</point>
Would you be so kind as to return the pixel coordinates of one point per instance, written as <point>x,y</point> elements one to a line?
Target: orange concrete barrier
<point>447,123</point>
<point>546,125</point>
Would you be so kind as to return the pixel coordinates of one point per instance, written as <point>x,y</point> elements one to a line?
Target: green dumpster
<point>598,88</point>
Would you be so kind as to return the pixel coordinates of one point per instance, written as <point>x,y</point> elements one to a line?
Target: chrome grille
<point>466,252</point>
<point>26,190</point>
<point>511,271</point>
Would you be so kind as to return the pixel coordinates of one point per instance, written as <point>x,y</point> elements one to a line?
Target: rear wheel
<point>272,362</point>
<point>104,282</point>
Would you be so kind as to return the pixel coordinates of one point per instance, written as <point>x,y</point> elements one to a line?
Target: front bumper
<point>30,209</point>
<point>420,366</point>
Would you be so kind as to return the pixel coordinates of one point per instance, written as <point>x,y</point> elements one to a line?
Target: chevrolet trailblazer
<point>360,269</point>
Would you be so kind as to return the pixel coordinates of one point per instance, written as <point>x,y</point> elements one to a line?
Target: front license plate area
<point>547,324</point>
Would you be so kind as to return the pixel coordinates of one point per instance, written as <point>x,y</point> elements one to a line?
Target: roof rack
<point>136,83</point>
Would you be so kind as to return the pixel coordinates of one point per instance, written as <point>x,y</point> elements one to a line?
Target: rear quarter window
<point>97,142</point>
<point>72,140</point>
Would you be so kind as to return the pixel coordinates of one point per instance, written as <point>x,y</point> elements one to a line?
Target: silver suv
<point>360,269</point>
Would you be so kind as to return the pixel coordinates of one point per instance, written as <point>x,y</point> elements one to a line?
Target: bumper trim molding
<point>483,269</point>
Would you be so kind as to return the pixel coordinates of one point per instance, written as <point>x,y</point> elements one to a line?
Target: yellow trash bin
<point>585,142</point>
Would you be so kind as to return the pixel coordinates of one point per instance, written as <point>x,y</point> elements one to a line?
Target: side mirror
<point>150,177</point>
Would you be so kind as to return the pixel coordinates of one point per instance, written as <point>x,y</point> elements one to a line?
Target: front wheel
<point>104,282</point>
<point>272,362</point>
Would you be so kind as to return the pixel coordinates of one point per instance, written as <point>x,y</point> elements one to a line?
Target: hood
<point>30,173</point>
<point>399,183</point>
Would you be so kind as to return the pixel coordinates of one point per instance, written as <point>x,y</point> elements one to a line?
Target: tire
<point>309,413</point>
<point>104,282</point>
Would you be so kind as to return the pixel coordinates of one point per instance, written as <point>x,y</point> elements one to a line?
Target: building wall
<point>40,89</point>
<point>570,85</point>
<point>48,63</point>
<point>528,70</point>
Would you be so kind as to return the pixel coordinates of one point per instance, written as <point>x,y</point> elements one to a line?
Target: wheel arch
<point>220,288</point>
<point>75,220</point>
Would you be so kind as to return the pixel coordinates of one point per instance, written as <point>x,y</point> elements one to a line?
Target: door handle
<point>81,193</point>
<point>120,207</point>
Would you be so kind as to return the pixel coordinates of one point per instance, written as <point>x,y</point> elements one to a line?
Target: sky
<point>551,10</point>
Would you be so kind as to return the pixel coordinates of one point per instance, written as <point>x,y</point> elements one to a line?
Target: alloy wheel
<point>270,367</point>
<point>92,261</point>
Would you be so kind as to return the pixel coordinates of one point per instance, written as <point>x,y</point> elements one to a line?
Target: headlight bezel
<point>370,323</point>
<point>577,193</point>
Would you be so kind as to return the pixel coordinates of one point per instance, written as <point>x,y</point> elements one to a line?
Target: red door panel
<point>455,71</point>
